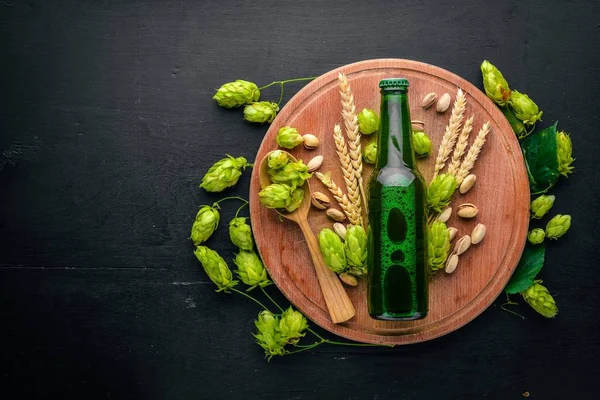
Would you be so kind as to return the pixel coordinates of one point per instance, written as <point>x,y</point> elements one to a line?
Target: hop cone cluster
<point>541,205</point>
<point>496,87</point>
<point>251,270</point>
<point>236,94</point>
<point>240,233</point>
<point>564,154</point>
<point>206,222</point>
<point>355,246</point>
<point>216,268</point>
<point>558,226</point>
<point>261,112</point>
<point>293,174</point>
<point>525,109</point>
<point>438,245</point>
<point>277,159</point>
<point>333,251</point>
<point>223,174</point>
<point>274,333</point>
<point>288,137</point>
<point>536,236</point>
<point>421,144</point>
<point>540,300</point>
<point>440,191</point>
<point>276,195</point>
<point>368,121</point>
<point>370,153</point>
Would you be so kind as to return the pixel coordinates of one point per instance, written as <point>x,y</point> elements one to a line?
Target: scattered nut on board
<point>429,99</point>
<point>340,229</point>
<point>467,183</point>
<point>478,233</point>
<point>311,142</point>
<point>335,214</point>
<point>315,163</point>
<point>443,103</point>
<point>445,215</point>
<point>451,263</point>
<point>462,244</point>
<point>348,279</point>
<point>467,210</point>
<point>452,231</point>
<point>320,200</point>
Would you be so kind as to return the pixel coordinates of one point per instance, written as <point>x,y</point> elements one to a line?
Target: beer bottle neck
<point>394,145</point>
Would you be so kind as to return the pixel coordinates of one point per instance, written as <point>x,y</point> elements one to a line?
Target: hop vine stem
<point>281,83</point>
<point>232,198</point>
<point>240,208</point>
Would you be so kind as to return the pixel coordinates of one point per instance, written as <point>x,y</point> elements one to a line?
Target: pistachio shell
<point>335,214</point>
<point>451,263</point>
<point>319,200</point>
<point>429,99</point>
<point>445,215</point>
<point>467,183</point>
<point>462,244</point>
<point>315,163</point>
<point>348,279</point>
<point>467,210</point>
<point>443,103</point>
<point>340,229</point>
<point>311,142</point>
<point>478,233</point>
<point>418,126</point>
<point>452,232</point>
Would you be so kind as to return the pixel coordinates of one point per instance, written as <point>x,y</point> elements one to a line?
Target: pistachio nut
<point>335,214</point>
<point>443,103</point>
<point>451,263</point>
<point>417,126</point>
<point>467,183</point>
<point>429,99</point>
<point>315,163</point>
<point>340,229</point>
<point>478,233</point>
<point>349,279</point>
<point>319,200</point>
<point>467,210</point>
<point>311,142</point>
<point>452,231</point>
<point>445,215</point>
<point>462,244</point>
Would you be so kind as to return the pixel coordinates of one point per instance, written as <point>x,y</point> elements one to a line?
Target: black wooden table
<point>107,126</point>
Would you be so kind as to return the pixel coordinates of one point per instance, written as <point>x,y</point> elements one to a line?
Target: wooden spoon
<point>338,303</point>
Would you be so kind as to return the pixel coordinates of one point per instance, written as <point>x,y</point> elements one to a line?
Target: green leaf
<point>540,153</point>
<point>516,124</point>
<point>529,266</point>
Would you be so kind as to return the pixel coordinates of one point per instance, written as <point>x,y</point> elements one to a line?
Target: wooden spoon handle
<point>338,303</point>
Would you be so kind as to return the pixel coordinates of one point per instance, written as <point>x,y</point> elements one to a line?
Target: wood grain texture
<point>501,193</point>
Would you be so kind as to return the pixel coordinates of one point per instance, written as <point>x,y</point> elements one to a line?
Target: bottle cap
<point>393,83</point>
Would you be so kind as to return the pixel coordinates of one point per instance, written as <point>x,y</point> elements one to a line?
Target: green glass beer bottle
<point>397,262</point>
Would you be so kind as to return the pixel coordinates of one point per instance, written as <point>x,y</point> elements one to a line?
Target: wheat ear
<point>351,212</point>
<point>451,132</point>
<point>348,171</point>
<point>473,153</point>
<point>351,123</point>
<point>461,146</point>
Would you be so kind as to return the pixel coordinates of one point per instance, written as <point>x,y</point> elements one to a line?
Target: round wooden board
<point>501,194</point>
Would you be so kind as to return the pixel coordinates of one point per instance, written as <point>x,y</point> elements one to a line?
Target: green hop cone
<point>517,125</point>
<point>536,236</point>
<point>288,137</point>
<point>494,83</point>
<point>293,174</point>
<point>251,270</point>
<point>261,112</point>
<point>370,152</point>
<point>216,268</point>
<point>223,174</point>
<point>268,336</point>
<point>236,94</point>
<point>206,222</point>
<point>240,233</point>
<point>296,200</point>
<point>440,191</point>
<point>525,109</point>
<point>355,246</point>
<point>291,325</point>
<point>277,159</point>
<point>276,195</point>
<point>438,245</point>
<point>558,226</point>
<point>538,297</point>
<point>368,121</point>
<point>541,205</point>
<point>332,249</point>
<point>565,154</point>
<point>421,144</point>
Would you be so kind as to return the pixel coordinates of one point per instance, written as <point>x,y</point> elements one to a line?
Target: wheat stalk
<point>461,146</point>
<point>351,123</point>
<point>473,153</point>
<point>351,212</point>
<point>451,132</point>
<point>348,171</point>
